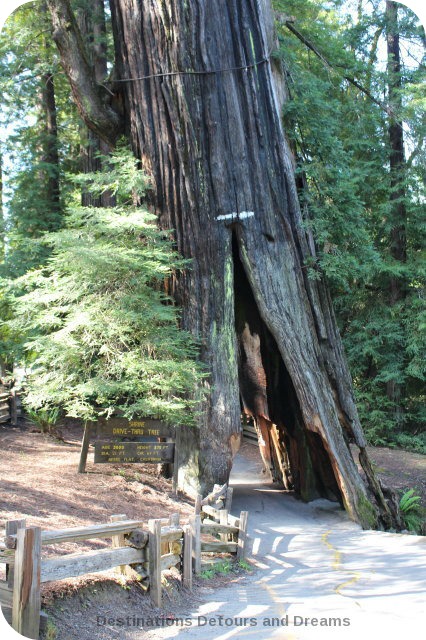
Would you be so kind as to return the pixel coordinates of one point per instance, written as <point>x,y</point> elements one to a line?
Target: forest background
<point>355,117</point>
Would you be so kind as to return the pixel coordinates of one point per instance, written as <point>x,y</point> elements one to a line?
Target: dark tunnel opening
<point>293,455</point>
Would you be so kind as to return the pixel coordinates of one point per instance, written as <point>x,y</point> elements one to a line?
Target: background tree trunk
<point>91,20</point>
<point>50,151</point>
<point>398,214</point>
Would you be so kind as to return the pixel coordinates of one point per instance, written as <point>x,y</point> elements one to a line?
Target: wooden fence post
<point>176,463</point>
<point>154,547</point>
<point>118,541</point>
<point>13,407</point>
<point>228,501</point>
<point>175,547</point>
<point>198,500</point>
<point>12,527</point>
<point>242,535</point>
<point>174,520</point>
<point>187,556</point>
<point>26,584</point>
<point>196,543</point>
<point>223,519</point>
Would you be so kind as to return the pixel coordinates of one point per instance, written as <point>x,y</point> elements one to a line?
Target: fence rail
<point>134,550</point>
<point>10,404</point>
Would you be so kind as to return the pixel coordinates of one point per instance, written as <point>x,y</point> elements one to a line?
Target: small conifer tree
<point>100,333</point>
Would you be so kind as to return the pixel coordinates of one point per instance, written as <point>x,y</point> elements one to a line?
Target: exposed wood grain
<point>196,543</point>
<point>187,556</point>
<point>228,501</point>
<point>106,530</point>
<point>198,501</point>
<point>174,519</point>
<point>169,534</point>
<point>211,511</point>
<point>217,493</point>
<point>242,535</point>
<point>154,546</point>
<point>26,585</point>
<point>73,565</point>
<point>169,560</point>
<point>211,527</point>
<point>233,521</point>
<point>137,539</point>
<point>11,529</point>
<point>223,520</point>
<point>118,540</point>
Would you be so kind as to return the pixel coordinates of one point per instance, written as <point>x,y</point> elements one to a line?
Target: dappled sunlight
<point>312,563</point>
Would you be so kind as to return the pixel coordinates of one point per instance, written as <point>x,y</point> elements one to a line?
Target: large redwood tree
<point>199,96</point>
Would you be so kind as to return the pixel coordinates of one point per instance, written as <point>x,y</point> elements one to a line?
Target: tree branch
<point>288,22</point>
<point>93,100</point>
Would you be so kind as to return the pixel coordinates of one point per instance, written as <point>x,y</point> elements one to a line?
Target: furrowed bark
<point>93,100</point>
<point>202,110</point>
<point>224,178</point>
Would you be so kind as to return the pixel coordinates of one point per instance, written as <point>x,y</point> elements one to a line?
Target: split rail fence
<point>10,404</point>
<point>145,553</point>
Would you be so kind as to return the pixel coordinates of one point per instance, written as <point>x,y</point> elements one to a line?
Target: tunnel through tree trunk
<point>293,456</point>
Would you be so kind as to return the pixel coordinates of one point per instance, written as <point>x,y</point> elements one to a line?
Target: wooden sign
<point>143,447</point>
<point>135,428</point>
<point>125,452</point>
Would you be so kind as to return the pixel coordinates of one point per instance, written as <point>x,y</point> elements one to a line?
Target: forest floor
<point>39,482</point>
<point>400,469</point>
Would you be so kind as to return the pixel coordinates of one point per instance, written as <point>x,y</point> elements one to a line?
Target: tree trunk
<point>206,125</point>
<point>398,213</point>
<point>92,99</point>
<point>91,20</point>
<point>50,151</point>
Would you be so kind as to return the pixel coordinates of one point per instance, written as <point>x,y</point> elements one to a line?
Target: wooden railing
<point>213,520</point>
<point>10,404</point>
<point>166,544</point>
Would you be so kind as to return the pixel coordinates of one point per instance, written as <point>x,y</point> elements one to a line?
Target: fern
<point>411,511</point>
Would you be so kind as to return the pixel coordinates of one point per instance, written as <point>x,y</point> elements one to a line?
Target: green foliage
<point>225,568</point>
<point>411,511</point>
<point>46,419</point>
<point>219,568</point>
<point>51,632</point>
<point>27,56</point>
<point>100,334</point>
<point>341,140</point>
